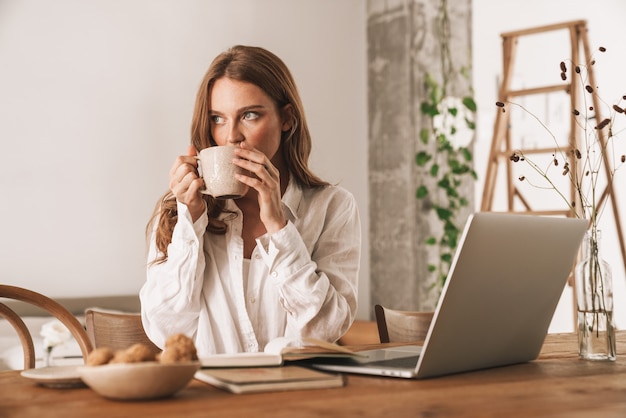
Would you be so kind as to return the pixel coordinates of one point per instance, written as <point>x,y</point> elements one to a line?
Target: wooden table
<point>557,384</point>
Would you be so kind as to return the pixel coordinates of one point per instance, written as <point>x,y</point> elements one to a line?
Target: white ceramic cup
<point>215,165</point>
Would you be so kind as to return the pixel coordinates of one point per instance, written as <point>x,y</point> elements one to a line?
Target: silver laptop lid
<point>505,282</point>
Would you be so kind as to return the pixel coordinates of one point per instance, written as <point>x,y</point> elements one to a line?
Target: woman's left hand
<point>267,184</point>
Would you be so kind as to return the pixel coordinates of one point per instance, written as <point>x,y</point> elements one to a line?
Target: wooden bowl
<point>138,381</point>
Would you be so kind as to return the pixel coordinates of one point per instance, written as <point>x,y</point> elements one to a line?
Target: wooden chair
<point>47,304</point>
<point>401,326</point>
<point>360,333</point>
<point>115,330</point>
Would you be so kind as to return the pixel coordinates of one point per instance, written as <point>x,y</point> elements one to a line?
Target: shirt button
<point>258,257</point>
<point>274,274</point>
<point>252,300</point>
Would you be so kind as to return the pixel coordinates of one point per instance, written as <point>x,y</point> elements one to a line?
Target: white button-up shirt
<point>301,281</point>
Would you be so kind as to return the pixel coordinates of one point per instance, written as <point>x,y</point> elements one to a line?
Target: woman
<point>281,261</point>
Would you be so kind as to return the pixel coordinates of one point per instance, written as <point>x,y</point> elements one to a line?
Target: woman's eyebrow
<point>240,110</point>
<point>251,107</point>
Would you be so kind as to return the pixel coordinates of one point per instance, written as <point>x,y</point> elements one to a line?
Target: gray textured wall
<point>402,49</point>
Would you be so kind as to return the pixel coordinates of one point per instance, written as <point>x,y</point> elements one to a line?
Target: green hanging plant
<point>452,129</point>
<point>451,124</point>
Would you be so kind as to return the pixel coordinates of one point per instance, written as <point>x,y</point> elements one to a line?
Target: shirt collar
<point>292,198</point>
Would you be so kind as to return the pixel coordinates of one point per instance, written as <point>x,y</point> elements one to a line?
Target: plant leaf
<point>443,213</point>
<point>424,135</point>
<point>466,153</point>
<point>422,158</point>
<point>429,109</point>
<point>470,103</point>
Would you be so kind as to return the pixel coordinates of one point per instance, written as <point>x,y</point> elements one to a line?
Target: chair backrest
<point>401,326</point>
<point>360,333</point>
<point>47,304</point>
<point>117,331</point>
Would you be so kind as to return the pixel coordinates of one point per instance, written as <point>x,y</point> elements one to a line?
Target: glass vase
<point>594,297</point>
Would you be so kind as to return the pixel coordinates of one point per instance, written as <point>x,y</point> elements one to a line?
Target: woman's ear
<point>287,117</point>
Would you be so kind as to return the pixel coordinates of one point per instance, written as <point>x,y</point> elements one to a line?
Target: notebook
<point>495,308</point>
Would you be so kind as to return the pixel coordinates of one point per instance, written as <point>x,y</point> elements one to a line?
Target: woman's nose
<point>235,135</point>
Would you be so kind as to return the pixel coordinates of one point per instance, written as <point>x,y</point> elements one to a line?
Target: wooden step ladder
<point>501,146</point>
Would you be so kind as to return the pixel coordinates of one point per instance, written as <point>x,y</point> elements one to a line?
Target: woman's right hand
<point>185,183</point>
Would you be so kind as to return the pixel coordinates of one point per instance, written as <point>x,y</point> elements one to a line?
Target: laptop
<point>504,284</point>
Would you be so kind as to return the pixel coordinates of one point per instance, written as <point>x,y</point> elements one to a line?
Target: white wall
<point>604,20</point>
<point>95,103</point>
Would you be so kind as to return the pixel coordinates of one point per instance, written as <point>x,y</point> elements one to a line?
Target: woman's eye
<point>217,119</point>
<point>250,116</point>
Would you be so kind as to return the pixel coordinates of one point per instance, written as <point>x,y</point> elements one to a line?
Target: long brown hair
<point>264,69</point>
